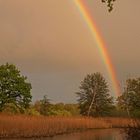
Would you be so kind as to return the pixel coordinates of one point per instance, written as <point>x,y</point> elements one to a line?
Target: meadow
<point>17,126</point>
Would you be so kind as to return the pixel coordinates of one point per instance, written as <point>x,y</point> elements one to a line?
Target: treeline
<point>59,109</point>
<point>93,98</point>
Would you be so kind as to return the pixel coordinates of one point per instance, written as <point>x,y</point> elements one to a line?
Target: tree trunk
<point>128,113</point>
<point>93,99</point>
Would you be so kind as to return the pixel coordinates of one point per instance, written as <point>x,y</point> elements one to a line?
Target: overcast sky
<point>51,44</point>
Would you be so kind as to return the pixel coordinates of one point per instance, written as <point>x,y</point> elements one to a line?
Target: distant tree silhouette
<point>44,105</point>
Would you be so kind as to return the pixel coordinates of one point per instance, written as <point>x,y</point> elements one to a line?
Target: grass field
<point>33,126</point>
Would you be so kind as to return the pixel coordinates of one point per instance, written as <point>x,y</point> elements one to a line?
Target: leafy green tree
<point>93,97</point>
<point>130,99</point>
<point>14,89</point>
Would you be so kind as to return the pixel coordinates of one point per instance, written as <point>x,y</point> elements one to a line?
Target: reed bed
<point>119,122</point>
<point>40,126</point>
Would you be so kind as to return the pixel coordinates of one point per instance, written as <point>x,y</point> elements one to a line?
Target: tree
<point>93,97</point>
<point>43,106</point>
<point>13,87</point>
<point>130,99</point>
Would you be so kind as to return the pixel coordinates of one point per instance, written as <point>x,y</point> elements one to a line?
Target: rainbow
<point>100,44</point>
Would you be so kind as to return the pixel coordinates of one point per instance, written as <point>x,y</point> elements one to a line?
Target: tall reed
<point>40,126</point>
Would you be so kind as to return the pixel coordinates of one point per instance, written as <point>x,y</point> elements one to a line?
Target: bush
<point>10,108</point>
<point>32,112</point>
<point>57,112</point>
<point>136,113</point>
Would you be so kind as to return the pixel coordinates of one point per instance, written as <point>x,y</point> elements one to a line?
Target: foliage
<point>58,112</point>
<point>32,111</point>
<point>93,97</point>
<point>133,132</point>
<point>45,102</point>
<point>61,109</point>
<point>73,109</point>
<point>130,100</point>
<point>10,108</point>
<point>13,88</point>
<point>109,4</point>
<point>136,113</point>
<point>43,106</point>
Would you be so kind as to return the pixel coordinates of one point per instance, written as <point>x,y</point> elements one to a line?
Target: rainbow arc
<point>100,44</point>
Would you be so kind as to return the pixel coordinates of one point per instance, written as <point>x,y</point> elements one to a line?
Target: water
<point>98,134</point>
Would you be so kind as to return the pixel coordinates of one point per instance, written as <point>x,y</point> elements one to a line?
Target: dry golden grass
<point>119,122</point>
<point>33,126</point>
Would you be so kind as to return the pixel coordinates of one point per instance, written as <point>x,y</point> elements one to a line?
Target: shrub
<point>10,108</point>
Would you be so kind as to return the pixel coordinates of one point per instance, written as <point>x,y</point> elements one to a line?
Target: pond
<point>98,134</point>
